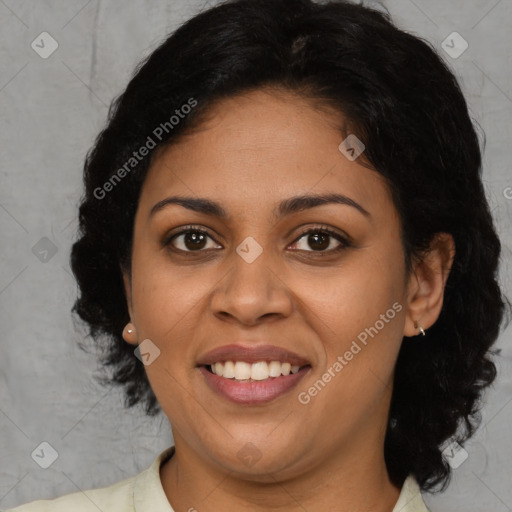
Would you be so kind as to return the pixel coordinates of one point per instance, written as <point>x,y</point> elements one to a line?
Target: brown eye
<point>321,240</point>
<point>194,240</point>
<point>191,240</point>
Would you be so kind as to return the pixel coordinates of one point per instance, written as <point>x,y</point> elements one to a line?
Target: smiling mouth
<point>261,371</point>
<point>242,389</point>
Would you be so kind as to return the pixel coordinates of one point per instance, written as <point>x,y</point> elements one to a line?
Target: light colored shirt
<point>144,493</point>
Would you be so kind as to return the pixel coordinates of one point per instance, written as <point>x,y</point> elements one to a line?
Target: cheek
<point>356,381</point>
<point>167,308</point>
<point>166,297</point>
<point>353,297</point>
<point>359,317</point>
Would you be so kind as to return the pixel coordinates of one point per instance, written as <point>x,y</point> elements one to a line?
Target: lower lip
<point>254,392</point>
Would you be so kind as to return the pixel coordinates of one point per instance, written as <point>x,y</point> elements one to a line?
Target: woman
<point>285,245</point>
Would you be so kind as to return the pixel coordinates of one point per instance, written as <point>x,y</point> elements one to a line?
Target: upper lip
<point>251,354</point>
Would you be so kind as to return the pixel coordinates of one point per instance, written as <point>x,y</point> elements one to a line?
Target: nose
<point>252,292</point>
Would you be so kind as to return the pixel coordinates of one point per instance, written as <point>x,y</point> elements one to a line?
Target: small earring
<point>420,328</point>
<point>129,328</point>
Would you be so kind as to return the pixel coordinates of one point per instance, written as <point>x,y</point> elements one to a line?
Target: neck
<point>356,481</point>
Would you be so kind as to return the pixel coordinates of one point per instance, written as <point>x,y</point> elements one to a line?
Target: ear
<point>129,332</point>
<point>427,284</point>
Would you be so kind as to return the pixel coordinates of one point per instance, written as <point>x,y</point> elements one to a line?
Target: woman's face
<point>254,279</point>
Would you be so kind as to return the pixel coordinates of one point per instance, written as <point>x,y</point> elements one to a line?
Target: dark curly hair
<point>403,102</point>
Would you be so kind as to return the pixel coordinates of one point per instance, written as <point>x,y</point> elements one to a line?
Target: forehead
<point>261,146</point>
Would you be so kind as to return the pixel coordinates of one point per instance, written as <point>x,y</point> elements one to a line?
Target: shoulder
<point>143,491</point>
<point>115,498</point>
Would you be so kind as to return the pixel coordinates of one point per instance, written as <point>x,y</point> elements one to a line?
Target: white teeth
<point>261,370</point>
<point>229,370</point>
<point>242,370</point>
<point>275,369</point>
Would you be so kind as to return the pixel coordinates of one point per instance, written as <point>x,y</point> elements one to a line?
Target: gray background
<point>50,111</point>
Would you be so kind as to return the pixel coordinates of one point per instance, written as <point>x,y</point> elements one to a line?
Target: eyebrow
<point>286,207</point>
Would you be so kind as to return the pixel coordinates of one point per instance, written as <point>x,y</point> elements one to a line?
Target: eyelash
<point>344,242</point>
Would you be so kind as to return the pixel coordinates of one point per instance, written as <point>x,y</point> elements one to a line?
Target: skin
<point>252,152</point>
